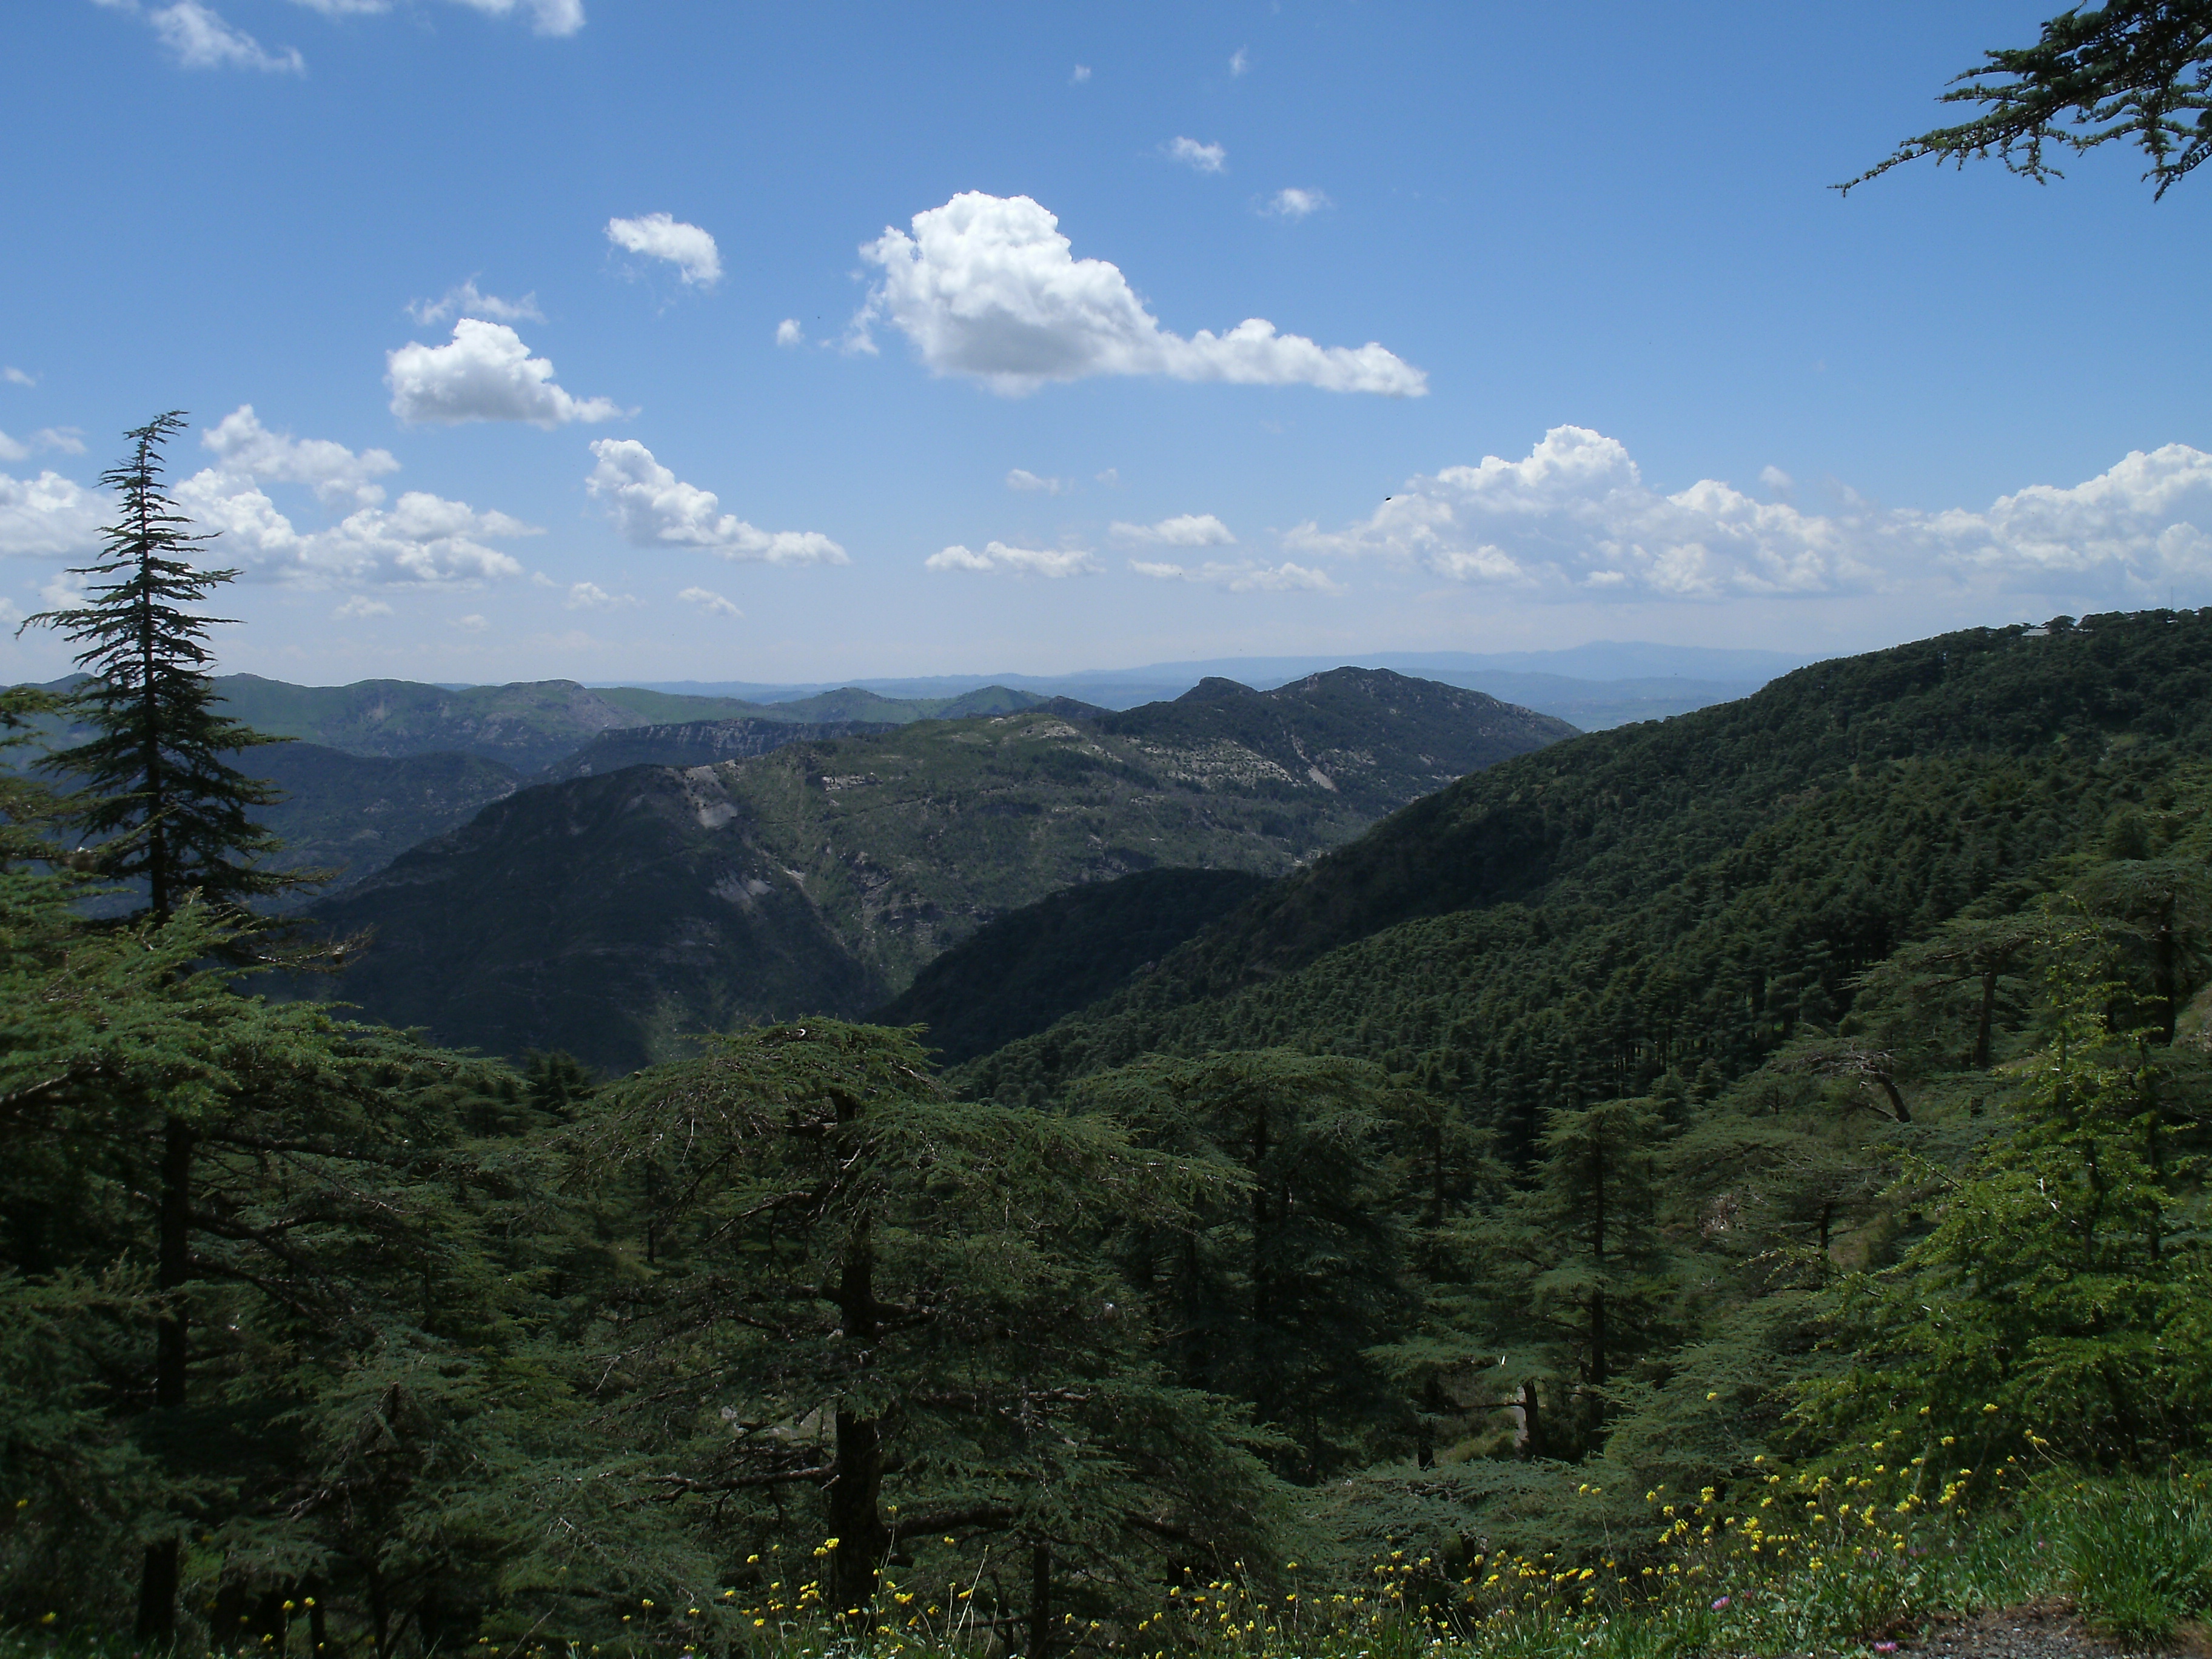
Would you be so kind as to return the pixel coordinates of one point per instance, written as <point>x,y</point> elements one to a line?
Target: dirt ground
<point>2041,1629</point>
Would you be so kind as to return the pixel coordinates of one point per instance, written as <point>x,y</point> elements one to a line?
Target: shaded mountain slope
<point>897,846</point>
<point>605,915</point>
<point>1019,974</point>
<point>1659,896</point>
<point>355,813</point>
<point>530,726</point>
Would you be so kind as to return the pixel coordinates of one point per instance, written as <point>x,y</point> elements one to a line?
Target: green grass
<point>1803,1573</point>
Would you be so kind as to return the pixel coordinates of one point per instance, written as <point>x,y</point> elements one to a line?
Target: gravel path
<point>2041,1629</point>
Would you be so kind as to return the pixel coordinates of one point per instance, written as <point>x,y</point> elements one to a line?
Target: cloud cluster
<point>1184,529</point>
<point>999,559</point>
<point>421,540</point>
<point>987,286</point>
<point>1294,204</point>
<point>468,300</point>
<point>1574,517</point>
<point>1199,158</point>
<point>246,448</point>
<point>1021,478</point>
<point>484,373</point>
<point>655,509</point>
<point>710,601</point>
<point>551,17</point>
<point>69,439</point>
<point>48,516</point>
<point>1249,577</point>
<point>662,236</point>
<point>198,37</point>
<point>590,596</point>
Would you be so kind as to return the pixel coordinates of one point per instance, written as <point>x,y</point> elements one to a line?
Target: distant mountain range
<point>1592,686</point>
<point>613,914</point>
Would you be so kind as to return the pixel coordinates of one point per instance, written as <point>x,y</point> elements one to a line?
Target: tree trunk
<point>159,1573</point>
<point>1040,1602</point>
<point>856,1519</point>
<point>1985,1020</point>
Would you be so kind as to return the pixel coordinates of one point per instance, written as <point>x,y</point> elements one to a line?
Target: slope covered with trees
<point>614,915</point>
<point>1023,971</point>
<point>1824,1092</point>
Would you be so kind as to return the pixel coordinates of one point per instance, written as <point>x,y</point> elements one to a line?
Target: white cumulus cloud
<point>67,439</point>
<point>553,17</point>
<point>48,516</point>
<point>662,236</point>
<point>710,602</point>
<point>466,300</point>
<point>590,596</point>
<point>1022,478</point>
<point>1239,61</point>
<point>1251,577</point>
<point>474,624</point>
<point>999,558</point>
<point>420,540</point>
<point>655,509</point>
<point>484,373</point>
<point>987,286</point>
<point>15,376</point>
<point>1079,74</point>
<point>249,450</point>
<point>1294,203</point>
<point>1199,158</point>
<point>1184,529</point>
<point>361,607</point>
<point>1575,517</point>
<point>789,333</point>
<point>198,37</point>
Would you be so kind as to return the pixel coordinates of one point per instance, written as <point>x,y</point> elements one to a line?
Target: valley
<point>613,915</point>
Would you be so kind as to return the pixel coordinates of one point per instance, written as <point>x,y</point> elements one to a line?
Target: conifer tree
<point>161,802</point>
<point>1284,1292</point>
<point>163,807</point>
<point>878,1324</point>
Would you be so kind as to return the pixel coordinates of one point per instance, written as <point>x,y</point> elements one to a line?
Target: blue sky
<point>475,303</point>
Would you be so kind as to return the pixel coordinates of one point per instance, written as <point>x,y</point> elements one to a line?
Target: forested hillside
<point>1706,1126</point>
<point>1688,888</point>
<point>1023,971</point>
<point>612,915</point>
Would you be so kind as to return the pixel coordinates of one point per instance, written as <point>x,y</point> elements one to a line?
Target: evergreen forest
<point>1804,1100</point>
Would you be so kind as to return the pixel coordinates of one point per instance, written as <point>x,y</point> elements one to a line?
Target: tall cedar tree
<point>860,1303</point>
<point>164,808</point>
<point>164,805</point>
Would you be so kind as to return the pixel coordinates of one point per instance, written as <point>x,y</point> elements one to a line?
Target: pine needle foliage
<point>2133,70</point>
<point>160,802</point>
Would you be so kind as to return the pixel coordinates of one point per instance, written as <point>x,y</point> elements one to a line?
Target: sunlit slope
<point>1661,895</point>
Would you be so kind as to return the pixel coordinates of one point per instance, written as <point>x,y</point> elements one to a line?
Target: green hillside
<point>1022,972</point>
<point>640,894</point>
<point>1581,922</point>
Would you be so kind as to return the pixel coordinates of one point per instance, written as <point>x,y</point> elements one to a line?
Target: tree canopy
<point>2139,70</point>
